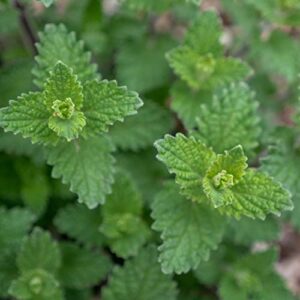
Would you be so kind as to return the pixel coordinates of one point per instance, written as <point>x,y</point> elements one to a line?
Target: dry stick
<point>28,32</point>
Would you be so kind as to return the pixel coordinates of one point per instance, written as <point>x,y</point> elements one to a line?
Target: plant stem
<point>27,29</point>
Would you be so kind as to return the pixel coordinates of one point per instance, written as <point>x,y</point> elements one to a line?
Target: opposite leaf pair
<point>223,180</point>
<point>67,108</point>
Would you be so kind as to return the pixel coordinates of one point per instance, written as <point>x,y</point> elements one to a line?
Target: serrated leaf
<point>82,268</point>
<point>229,119</point>
<point>187,103</point>
<point>282,162</point>
<point>141,130</point>
<point>107,103</point>
<point>204,34</point>
<point>126,283</point>
<point>36,285</point>
<point>87,166</point>
<point>226,171</point>
<point>14,225</point>
<point>122,223</point>
<point>29,117</point>
<point>205,71</point>
<point>188,159</point>
<point>57,44</point>
<point>62,84</point>
<point>253,276</point>
<point>73,220</point>
<point>39,251</point>
<point>188,229</point>
<point>141,64</point>
<point>257,195</point>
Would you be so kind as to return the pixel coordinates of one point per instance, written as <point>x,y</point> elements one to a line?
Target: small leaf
<point>257,195</point>
<point>127,283</point>
<point>61,85</point>
<point>57,44</point>
<point>87,166</point>
<point>189,160</point>
<point>105,103</point>
<point>82,268</point>
<point>36,284</point>
<point>254,276</point>
<point>226,171</point>
<point>39,251</point>
<point>14,225</point>
<point>189,230</point>
<point>73,220</point>
<point>29,117</point>
<point>229,119</point>
<point>122,224</point>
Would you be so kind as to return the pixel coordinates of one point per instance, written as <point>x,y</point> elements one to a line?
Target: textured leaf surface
<point>29,117</point>
<point>62,84</point>
<point>189,230</point>
<point>140,278</point>
<point>204,34</point>
<point>122,218</point>
<point>230,119</point>
<point>226,171</point>
<point>73,220</point>
<point>39,251</point>
<point>253,276</point>
<point>257,195</point>
<point>82,268</point>
<point>105,103</point>
<point>14,225</point>
<point>141,130</point>
<point>205,71</point>
<point>87,166</point>
<point>57,44</point>
<point>282,162</point>
<point>188,159</point>
<point>36,284</point>
<point>187,103</point>
<point>141,64</point>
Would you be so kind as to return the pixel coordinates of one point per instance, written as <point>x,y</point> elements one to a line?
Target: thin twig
<point>30,36</point>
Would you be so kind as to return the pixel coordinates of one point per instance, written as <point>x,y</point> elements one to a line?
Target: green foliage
<point>122,224</point>
<point>229,119</point>
<point>254,276</point>
<point>15,224</point>
<point>199,60</point>
<point>127,283</point>
<point>55,45</point>
<point>188,230</point>
<point>73,220</point>
<point>87,166</point>
<point>104,198</point>
<point>221,180</point>
<point>82,268</point>
<point>140,131</point>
